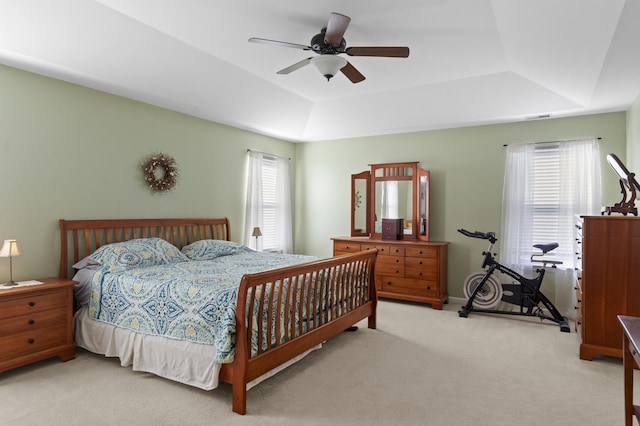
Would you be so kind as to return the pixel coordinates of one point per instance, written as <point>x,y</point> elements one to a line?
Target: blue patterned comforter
<point>191,300</point>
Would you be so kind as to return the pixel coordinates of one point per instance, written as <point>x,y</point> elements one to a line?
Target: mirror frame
<point>366,176</point>
<point>627,182</point>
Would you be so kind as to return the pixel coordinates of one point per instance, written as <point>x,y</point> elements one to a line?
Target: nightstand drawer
<point>30,342</point>
<point>32,321</point>
<point>32,303</point>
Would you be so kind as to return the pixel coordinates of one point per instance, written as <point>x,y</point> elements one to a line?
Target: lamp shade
<point>329,65</point>
<point>10,248</point>
<point>256,232</point>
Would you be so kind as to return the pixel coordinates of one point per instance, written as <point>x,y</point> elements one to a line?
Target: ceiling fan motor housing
<point>319,45</point>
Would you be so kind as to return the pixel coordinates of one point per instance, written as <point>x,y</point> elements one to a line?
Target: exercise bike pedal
<point>564,327</point>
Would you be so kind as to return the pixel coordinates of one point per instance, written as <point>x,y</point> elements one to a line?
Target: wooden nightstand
<point>36,322</point>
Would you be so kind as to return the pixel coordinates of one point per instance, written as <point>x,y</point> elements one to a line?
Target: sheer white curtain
<point>545,187</point>
<point>517,217</point>
<point>268,203</point>
<point>253,216</point>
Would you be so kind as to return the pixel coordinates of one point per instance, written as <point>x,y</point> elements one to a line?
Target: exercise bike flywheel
<point>489,295</point>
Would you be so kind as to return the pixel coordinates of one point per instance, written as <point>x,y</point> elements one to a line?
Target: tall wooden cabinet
<point>408,270</point>
<point>609,283</point>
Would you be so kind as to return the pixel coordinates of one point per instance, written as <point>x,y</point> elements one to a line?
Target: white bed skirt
<point>185,362</point>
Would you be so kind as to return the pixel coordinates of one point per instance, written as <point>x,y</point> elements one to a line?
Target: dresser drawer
<point>390,265</point>
<point>346,247</point>
<point>406,286</point>
<point>395,250</point>
<point>32,303</point>
<point>388,250</point>
<point>421,268</point>
<point>30,342</point>
<point>430,252</point>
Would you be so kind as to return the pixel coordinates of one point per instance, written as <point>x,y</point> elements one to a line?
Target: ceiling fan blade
<point>336,27</point>
<point>382,51</point>
<point>279,43</point>
<point>295,66</point>
<point>352,73</point>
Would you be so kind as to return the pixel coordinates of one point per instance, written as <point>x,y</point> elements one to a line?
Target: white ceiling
<point>471,62</point>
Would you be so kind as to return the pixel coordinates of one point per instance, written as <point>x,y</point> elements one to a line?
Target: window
<point>546,186</point>
<point>268,203</point>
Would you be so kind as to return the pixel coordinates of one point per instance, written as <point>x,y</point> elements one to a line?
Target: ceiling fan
<point>328,44</point>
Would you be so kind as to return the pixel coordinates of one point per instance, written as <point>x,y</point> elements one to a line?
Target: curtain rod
<point>267,153</point>
<point>567,140</point>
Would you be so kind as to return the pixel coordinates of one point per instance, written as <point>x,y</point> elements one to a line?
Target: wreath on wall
<point>160,173</point>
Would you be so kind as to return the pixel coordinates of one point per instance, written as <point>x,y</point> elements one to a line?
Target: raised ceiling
<point>471,62</point>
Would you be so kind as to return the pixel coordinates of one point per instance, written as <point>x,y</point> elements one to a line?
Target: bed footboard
<point>284,312</point>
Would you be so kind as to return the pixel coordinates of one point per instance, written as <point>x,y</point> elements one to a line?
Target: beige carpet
<point>420,367</point>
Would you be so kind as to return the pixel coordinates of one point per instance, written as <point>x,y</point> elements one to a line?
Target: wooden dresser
<point>408,270</point>
<point>608,284</point>
<point>36,323</point>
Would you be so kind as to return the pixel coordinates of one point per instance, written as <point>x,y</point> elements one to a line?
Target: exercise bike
<point>485,293</point>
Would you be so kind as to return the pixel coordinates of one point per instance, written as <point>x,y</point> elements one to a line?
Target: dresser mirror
<point>360,204</point>
<point>423,204</point>
<point>399,193</point>
<point>628,187</point>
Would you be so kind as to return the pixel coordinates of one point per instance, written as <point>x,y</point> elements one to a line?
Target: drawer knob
<point>32,303</point>
<point>31,341</point>
<point>428,287</point>
<point>31,322</point>
<point>420,263</point>
<point>397,260</point>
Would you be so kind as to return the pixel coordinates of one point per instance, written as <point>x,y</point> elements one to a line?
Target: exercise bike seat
<point>546,247</point>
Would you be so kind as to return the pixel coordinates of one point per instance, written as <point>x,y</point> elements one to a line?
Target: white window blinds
<point>546,186</point>
<point>268,203</point>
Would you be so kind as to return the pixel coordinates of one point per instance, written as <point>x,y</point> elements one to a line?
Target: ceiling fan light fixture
<point>329,65</point>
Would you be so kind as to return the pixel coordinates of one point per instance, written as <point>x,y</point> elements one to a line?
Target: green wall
<point>633,138</point>
<point>467,173</point>
<point>72,152</point>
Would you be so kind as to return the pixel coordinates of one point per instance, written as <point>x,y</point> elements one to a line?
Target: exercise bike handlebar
<point>491,236</point>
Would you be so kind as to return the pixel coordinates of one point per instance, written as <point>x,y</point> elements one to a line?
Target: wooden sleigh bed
<point>302,305</point>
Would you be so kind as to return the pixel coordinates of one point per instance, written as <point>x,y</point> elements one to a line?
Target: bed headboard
<point>80,238</point>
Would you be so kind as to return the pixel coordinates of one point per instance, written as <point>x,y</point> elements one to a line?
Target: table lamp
<point>256,233</point>
<point>10,249</point>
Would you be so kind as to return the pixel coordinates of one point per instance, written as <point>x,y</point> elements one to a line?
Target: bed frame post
<point>241,356</point>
